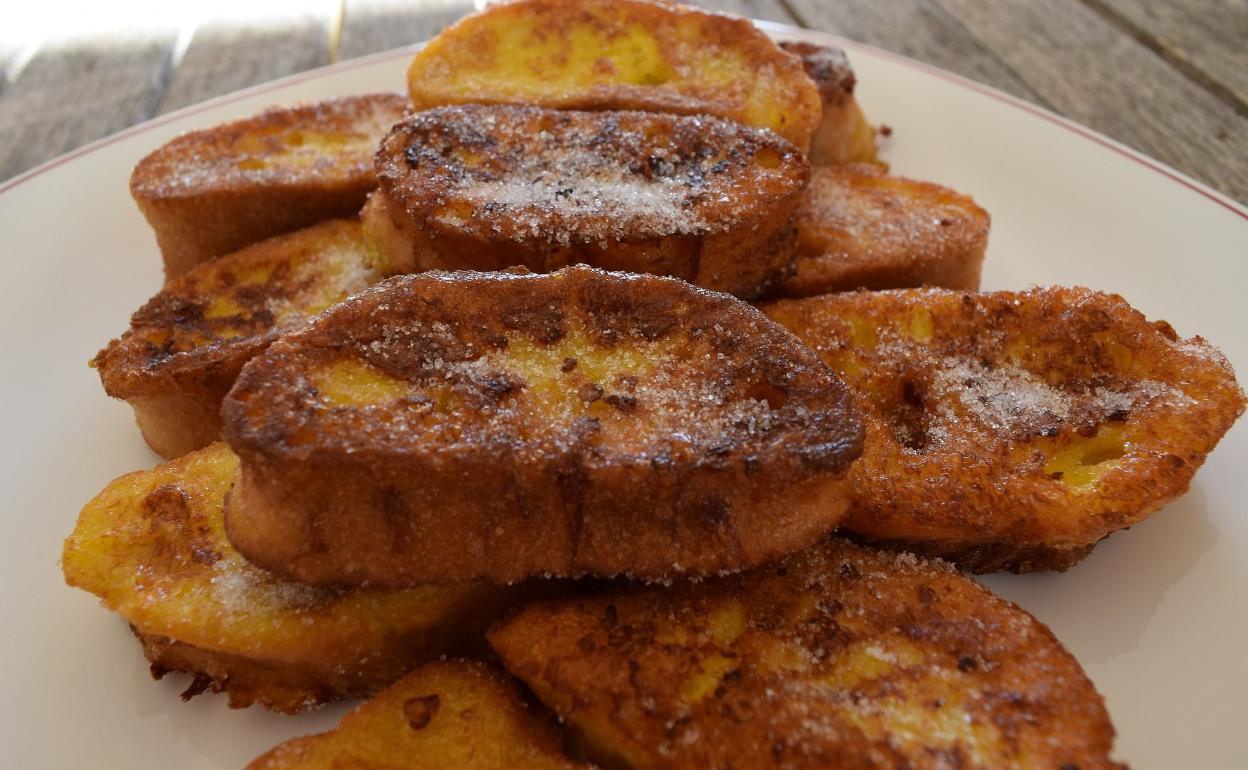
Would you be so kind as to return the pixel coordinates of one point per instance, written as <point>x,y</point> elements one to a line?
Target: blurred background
<point>1167,77</point>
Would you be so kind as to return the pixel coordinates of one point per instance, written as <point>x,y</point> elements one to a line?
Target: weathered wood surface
<point>768,10</point>
<point>1170,79</point>
<point>1207,39</point>
<point>918,29</point>
<point>369,26</point>
<point>74,93</point>
<point>1087,68</point>
<point>224,57</point>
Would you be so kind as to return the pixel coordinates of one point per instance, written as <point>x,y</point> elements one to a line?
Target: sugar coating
<point>300,274</point>
<point>686,397</point>
<point>241,589</point>
<point>1009,399</point>
<point>518,173</point>
<point>331,139</point>
<point>838,649</point>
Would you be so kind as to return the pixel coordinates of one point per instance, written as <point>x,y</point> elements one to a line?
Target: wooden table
<point>1169,78</point>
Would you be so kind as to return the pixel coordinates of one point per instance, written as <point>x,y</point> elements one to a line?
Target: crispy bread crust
<point>450,715</point>
<point>840,657</point>
<point>618,55</point>
<point>152,547</point>
<point>211,192</point>
<point>1015,430</point>
<point>580,422</point>
<point>858,227</point>
<point>484,188</point>
<point>186,346</point>
<point>275,685</point>
<point>844,135</point>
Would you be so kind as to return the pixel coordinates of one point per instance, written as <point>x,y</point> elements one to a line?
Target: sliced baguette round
<point>448,715</point>
<point>478,187</point>
<point>457,426</point>
<point>859,227</point>
<point>186,345</point>
<point>844,135</point>
<point>211,192</point>
<point>839,657</point>
<point>152,546</point>
<point>1015,430</point>
<point>618,55</point>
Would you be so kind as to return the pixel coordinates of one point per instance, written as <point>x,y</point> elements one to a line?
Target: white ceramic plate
<point>1158,616</point>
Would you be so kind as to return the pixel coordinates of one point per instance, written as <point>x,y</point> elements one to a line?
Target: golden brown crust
<point>485,188</point>
<point>840,657</point>
<point>1015,430</point>
<point>828,67</point>
<point>275,685</point>
<point>445,716</point>
<point>858,227</point>
<point>211,192</point>
<point>618,55</point>
<point>844,135</point>
<point>187,344</point>
<point>152,546</point>
<point>446,427</point>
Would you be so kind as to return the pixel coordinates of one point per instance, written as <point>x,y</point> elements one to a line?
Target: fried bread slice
<point>844,135</point>
<point>459,426</point>
<point>211,192</point>
<point>454,714</point>
<point>859,227</point>
<point>1014,430</point>
<point>187,344</point>
<point>841,657</point>
<point>488,187</point>
<point>152,546</point>
<point>618,55</point>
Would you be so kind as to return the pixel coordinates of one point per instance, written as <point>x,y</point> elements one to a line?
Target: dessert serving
<point>618,55</point>
<point>859,227</point>
<point>488,187</point>
<point>1015,430</point>
<point>208,193</point>
<point>839,656</point>
<point>444,427</point>
<point>468,411</point>
<point>444,715</point>
<point>152,546</point>
<point>186,346</point>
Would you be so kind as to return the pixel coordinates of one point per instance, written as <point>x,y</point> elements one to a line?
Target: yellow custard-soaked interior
<point>284,147</point>
<point>573,377</point>
<point>152,546</point>
<point>591,53</point>
<point>564,377</point>
<point>298,277</point>
<point>1082,460</point>
<point>355,382</point>
<point>520,54</point>
<point>907,693</point>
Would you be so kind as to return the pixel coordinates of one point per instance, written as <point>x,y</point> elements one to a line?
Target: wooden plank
<point>769,10</point>
<point>7,54</point>
<point>224,56</point>
<point>918,29</point>
<point>1207,39</point>
<point>1089,70</point>
<point>71,93</point>
<point>369,26</point>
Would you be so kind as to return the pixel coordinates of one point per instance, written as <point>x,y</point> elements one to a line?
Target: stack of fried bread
<point>487,424</point>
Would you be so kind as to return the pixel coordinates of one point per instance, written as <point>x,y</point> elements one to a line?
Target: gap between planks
<point>1171,54</point>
